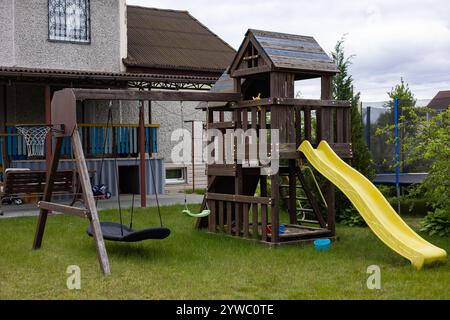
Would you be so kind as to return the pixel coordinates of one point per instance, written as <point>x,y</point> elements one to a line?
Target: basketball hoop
<point>34,135</point>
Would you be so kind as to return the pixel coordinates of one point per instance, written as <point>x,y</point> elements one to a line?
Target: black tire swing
<point>117,231</point>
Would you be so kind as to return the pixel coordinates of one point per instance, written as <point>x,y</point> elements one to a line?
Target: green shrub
<point>437,222</point>
<point>411,206</point>
<point>351,217</point>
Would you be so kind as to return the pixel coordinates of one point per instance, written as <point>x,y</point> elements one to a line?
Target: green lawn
<point>192,264</point>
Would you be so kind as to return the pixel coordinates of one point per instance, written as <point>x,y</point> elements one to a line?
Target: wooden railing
<point>239,215</point>
<point>298,120</point>
<point>120,140</point>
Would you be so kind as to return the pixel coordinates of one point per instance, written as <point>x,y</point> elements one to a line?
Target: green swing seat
<point>202,214</point>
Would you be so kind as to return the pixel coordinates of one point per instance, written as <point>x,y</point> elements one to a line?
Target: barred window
<point>68,20</point>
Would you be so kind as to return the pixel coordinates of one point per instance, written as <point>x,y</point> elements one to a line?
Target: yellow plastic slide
<point>373,207</point>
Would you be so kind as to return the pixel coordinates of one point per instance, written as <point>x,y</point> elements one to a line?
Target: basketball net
<point>34,139</point>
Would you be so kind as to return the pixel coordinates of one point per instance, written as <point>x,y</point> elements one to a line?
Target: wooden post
<point>263,187</point>
<point>150,135</point>
<point>48,120</point>
<point>43,213</point>
<point>292,206</point>
<point>327,94</point>
<point>142,175</point>
<point>238,180</point>
<point>88,198</point>
<point>282,86</point>
<point>3,119</point>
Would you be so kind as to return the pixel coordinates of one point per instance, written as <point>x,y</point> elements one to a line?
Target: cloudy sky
<point>389,38</point>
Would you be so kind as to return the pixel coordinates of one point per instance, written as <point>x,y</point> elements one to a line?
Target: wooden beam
<point>222,125</point>
<point>126,94</point>
<point>51,206</point>
<point>142,174</point>
<point>48,120</point>
<point>85,183</point>
<point>250,71</point>
<point>292,204</point>
<point>48,190</point>
<point>224,170</point>
<point>238,179</point>
<point>150,121</point>
<point>273,101</point>
<point>327,93</point>
<point>312,102</point>
<point>3,121</point>
<point>237,198</point>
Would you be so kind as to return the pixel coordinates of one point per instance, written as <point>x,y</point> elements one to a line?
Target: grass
<point>193,264</point>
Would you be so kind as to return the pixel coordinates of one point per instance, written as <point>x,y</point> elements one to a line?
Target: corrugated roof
<point>404,178</point>
<point>170,39</point>
<point>77,74</point>
<point>441,101</point>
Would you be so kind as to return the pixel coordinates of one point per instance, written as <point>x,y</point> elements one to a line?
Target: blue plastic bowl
<point>322,244</point>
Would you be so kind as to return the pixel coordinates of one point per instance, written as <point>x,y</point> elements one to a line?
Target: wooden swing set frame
<point>63,119</point>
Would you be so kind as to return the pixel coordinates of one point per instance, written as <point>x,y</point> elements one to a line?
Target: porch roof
<point>77,77</point>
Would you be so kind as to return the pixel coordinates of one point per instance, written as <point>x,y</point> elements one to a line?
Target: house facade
<point>48,45</point>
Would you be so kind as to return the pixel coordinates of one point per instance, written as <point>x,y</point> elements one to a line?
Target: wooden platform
<point>293,233</point>
<point>297,232</point>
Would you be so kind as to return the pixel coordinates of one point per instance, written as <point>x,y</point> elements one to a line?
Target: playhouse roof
<point>281,51</point>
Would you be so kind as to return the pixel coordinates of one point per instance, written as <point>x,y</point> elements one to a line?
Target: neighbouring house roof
<point>441,101</point>
<point>281,52</point>
<point>173,40</point>
<point>405,179</point>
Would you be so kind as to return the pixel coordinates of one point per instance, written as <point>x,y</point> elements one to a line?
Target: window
<point>175,175</point>
<point>69,20</point>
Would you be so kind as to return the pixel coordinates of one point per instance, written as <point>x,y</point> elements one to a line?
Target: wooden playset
<point>267,65</point>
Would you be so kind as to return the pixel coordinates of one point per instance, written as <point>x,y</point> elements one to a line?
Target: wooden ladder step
<point>305,210</point>
<point>287,186</point>
<point>297,198</point>
<point>80,212</point>
<point>307,221</point>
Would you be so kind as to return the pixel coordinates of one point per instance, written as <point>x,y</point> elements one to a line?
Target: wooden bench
<point>29,182</point>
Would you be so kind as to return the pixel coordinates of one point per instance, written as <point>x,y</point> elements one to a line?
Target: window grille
<point>69,20</point>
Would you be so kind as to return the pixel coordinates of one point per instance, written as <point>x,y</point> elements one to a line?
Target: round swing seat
<point>112,231</point>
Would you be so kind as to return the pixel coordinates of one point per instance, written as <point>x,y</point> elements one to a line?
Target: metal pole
<point>368,125</point>
<point>397,169</point>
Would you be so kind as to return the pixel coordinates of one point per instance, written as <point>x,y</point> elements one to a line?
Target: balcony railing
<point>116,140</point>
